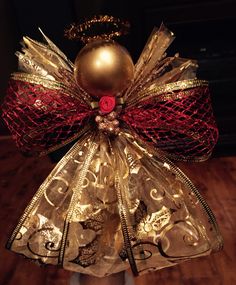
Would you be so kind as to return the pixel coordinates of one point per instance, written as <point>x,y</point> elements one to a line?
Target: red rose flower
<point>107,104</point>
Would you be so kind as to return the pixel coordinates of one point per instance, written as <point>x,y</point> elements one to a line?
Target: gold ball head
<point>104,67</point>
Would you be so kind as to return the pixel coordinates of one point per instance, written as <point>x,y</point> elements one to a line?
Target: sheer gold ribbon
<point>109,203</point>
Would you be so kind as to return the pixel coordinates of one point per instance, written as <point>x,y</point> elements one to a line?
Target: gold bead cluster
<point>108,123</point>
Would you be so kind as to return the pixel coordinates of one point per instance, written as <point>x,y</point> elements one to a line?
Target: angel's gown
<point>109,205</point>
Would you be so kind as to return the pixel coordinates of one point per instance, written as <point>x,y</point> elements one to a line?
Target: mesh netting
<point>185,127</point>
<point>40,118</point>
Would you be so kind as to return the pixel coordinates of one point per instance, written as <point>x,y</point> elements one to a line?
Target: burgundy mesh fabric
<point>183,127</point>
<point>40,118</point>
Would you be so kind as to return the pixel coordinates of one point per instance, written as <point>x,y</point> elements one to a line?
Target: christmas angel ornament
<point>115,200</point>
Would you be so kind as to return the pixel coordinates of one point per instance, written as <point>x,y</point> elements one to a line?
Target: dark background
<point>204,30</point>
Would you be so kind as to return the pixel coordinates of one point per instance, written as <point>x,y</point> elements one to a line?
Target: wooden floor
<point>20,178</point>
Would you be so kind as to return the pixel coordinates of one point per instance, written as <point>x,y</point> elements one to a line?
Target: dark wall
<point>204,30</point>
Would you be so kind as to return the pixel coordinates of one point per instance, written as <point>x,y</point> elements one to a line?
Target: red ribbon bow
<point>42,118</point>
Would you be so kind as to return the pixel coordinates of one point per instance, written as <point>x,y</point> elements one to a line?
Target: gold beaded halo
<point>91,29</point>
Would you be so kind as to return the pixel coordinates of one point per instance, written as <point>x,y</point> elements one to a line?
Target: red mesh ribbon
<point>40,118</point>
<point>185,128</point>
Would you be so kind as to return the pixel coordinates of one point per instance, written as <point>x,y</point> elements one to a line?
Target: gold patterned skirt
<point>110,204</point>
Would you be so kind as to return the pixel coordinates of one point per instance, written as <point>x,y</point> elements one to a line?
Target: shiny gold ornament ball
<point>103,67</point>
